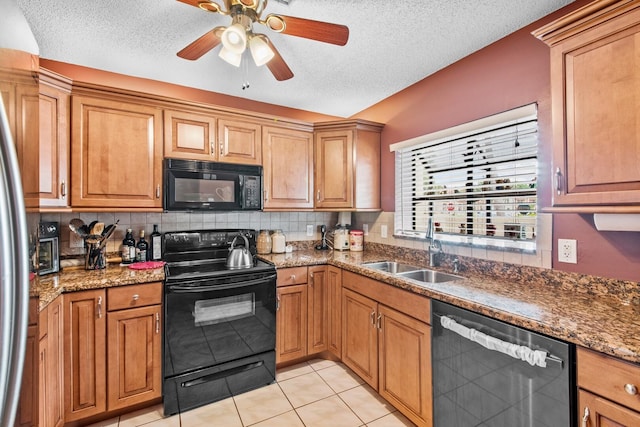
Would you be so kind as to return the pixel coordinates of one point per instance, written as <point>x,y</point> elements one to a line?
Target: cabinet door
<point>54,376</point>
<point>595,86</point>
<point>405,364</point>
<point>116,152</point>
<point>334,169</point>
<point>288,168</point>
<point>189,135</point>
<point>42,384</point>
<point>360,336</point>
<point>85,354</point>
<point>334,325</point>
<point>291,323</point>
<point>240,142</point>
<point>28,142</point>
<point>595,411</point>
<point>54,147</point>
<point>135,354</point>
<point>318,312</point>
<point>27,414</point>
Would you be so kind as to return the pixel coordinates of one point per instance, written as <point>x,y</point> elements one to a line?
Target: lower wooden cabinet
<point>334,324</point>
<point>113,349</point>
<point>611,400</point>
<point>51,393</point>
<point>388,349</point>
<point>302,318</point>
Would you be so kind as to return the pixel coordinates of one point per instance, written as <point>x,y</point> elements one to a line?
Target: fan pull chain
<point>245,69</point>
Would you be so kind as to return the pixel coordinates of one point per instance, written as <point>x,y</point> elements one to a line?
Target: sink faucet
<point>435,247</point>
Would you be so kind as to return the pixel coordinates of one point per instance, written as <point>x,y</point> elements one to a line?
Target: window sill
<point>493,243</point>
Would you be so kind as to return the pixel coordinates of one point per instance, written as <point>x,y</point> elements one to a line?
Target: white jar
<point>341,239</point>
<point>278,242</point>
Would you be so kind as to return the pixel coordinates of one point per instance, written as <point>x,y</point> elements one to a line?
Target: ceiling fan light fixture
<point>231,57</point>
<point>234,38</point>
<point>260,50</point>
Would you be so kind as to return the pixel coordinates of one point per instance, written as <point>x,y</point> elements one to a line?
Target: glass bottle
<point>263,242</point>
<point>128,248</point>
<point>142,248</point>
<point>156,244</point>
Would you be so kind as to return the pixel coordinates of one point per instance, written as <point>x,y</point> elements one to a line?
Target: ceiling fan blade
<point>202,45</point>
<point>309,29</point>
<point>191,2</point>
<point>277,66</point>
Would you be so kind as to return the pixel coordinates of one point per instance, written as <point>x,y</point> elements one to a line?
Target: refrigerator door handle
<point>14,271</point>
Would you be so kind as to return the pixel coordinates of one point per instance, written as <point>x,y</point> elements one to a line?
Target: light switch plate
<point>383,231</point>
<point>365,229</point>
<point>309,230</point>
<point>568,251</point>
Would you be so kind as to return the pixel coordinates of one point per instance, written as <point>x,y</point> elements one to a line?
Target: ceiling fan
<point>239,36</point>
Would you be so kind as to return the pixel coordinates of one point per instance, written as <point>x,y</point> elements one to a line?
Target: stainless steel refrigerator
<point>14,274</point>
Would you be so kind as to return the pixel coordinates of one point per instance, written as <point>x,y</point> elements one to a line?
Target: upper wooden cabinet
<point>189,135</point>
<point>116,154</point>
<point>347,165</point>
<point>595,89</point>
<point>288,168</point>
<point>54,140</point>
<point>240,141</point>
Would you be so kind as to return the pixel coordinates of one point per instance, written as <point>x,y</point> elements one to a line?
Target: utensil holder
<point>95,257</point>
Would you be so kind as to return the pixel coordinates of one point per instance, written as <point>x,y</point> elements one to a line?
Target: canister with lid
<point>356,240</point>
<point>263,242</point>
<point>278,242</point>
<point>341,239</point>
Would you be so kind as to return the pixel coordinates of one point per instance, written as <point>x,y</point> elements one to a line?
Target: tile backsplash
<point>293,224</point>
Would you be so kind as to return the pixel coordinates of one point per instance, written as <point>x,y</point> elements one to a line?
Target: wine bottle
<point>156,244</point>
<point>142,248</point>
<point>128,248</point>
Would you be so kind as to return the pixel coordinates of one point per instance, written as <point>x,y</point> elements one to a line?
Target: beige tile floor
<point>318,393</point>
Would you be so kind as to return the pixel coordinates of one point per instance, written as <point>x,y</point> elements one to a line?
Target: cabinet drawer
<point>591,369</point>
<point>134,296</point>
<point>292,276</point>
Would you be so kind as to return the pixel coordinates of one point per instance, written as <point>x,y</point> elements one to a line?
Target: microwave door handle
<point>241,190</point>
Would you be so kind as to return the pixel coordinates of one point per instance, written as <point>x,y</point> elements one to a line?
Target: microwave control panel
<point>252,192</point>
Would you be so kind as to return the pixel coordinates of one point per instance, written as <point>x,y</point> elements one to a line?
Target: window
<point>476,181</point>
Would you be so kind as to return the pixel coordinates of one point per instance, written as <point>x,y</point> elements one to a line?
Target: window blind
<point>481,183</point>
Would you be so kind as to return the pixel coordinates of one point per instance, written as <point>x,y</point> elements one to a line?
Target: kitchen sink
<point>429,276</point>
<point>391,267</point>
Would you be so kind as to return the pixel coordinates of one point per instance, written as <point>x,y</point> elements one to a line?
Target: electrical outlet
<point>383,231</point>
<point>75,241</point>
<point>365,229</point>
<point>309,230</point>
<point>568,251</point>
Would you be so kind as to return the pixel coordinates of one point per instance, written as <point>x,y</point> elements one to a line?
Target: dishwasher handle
<point>524,353</point>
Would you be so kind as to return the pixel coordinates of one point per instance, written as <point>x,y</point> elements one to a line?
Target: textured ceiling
<point>392,44</point>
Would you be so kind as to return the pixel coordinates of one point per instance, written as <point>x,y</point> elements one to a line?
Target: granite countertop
<point>557,305</point>
<point>583,310</point>
<point>47,288</point>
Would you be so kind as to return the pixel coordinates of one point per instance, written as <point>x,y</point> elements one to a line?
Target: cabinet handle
<point>559,181</point>
<point>99,307</point>
<point>585,417</point>
<point>373,318</point>
<point>221,150</point>
<point>278,303</point>
<point>266,195</point>
<point>318,195</point>
<point>63,189</point>
<point>157,323</point>
<point>379,322</point>
<point>157,191</point>
<point>213,148</point>
<point>135,297</point>
<point>631,389</point>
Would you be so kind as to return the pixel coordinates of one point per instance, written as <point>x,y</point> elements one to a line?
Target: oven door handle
<point>186,289</point>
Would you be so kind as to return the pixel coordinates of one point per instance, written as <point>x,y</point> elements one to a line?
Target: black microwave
<point>191,185</point>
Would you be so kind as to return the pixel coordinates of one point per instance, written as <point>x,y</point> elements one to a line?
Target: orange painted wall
<point>100,77</point>
<point>511,72</point>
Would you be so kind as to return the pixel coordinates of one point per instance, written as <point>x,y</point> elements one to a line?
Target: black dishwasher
<point>487,373</point>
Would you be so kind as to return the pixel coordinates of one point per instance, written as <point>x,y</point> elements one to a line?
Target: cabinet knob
<point>585,417</point>
<point>558,181</point>
<point>293,277</point>
<point>631,389</point>
<point>135,297</point>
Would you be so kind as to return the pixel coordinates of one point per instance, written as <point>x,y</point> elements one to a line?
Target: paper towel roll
<point>617,222</point>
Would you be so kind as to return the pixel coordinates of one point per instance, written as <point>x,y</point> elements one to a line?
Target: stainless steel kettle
<point>239,257</point>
